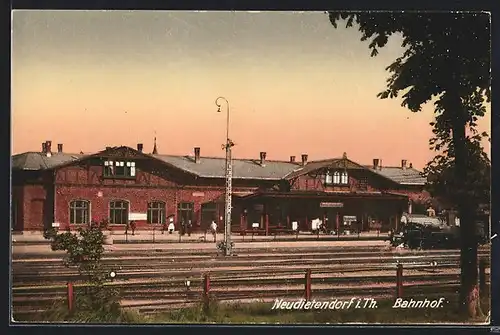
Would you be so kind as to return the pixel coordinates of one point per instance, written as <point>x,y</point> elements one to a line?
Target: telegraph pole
<point>227,245</point>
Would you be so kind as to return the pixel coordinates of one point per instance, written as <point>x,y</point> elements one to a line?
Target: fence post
<point>482,276</point>
<point>206,291</point>
<point>399,281</point>
<point>307,292</point>
<point>69,286</point>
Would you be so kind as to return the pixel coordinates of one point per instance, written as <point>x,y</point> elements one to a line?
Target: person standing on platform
<point>171,226</point>
<point>213,228</point>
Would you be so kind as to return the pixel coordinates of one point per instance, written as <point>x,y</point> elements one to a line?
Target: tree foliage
<point>442,184</point>
<point>443,51</point>
<point>446,58</point>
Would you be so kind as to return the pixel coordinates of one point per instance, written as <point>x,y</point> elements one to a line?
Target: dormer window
<point>119,169</point>
<point>328,178</point>
<point>336,178</point>
<point>344,178</point>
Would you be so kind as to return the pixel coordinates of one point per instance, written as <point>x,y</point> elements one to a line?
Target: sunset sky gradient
<point>91,79</point>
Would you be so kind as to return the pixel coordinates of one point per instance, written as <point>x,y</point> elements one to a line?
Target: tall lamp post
<point>229,176</point>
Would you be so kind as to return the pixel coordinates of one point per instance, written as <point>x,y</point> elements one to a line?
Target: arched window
<point>79,212</point>
<point>118,212</point>
<point>156,212</point>
<point>344,178</point>
<point>336,177</point>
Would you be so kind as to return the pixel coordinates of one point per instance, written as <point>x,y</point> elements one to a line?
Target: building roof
<point>407,176</point>
<point>209,167</point>
<point>40,161</point>
<point>214,167</point>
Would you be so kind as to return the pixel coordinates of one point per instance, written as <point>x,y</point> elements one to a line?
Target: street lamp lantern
<point>227,244</point>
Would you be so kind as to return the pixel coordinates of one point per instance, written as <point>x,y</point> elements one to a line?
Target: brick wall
<point>85,182</point>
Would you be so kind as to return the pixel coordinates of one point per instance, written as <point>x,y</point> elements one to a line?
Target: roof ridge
<point>223,158</point>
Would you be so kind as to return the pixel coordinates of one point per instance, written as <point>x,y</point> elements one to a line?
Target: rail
<point>395,281</point>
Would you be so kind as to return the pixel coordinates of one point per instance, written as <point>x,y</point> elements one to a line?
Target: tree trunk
<point>469,291</point>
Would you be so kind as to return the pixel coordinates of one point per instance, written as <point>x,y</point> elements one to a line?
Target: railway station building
<point>122,184</point>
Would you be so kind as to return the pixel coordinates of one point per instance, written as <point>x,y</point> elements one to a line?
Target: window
<point>208,213</point>
<point>338,178</point>
<point>344,179</point>
<point>156,212</point>
<point>185,206</point>
<point>130,170</point>
<point>185,212</point>
<point>79,212</point>
<point>363,183</point>
<point>118,212</point>
<point>108,169</point>
<point>328,178</point>
<point>119,169</point>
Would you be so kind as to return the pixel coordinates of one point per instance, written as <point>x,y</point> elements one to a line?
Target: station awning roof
<point>305,195</point>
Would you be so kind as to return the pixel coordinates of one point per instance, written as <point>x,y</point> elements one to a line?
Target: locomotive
<point>430,232</point>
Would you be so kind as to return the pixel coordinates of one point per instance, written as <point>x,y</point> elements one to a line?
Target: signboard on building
<point>137,216</point>
<point>198,194</point>
<point>258,207</point>
<point>331,204</point>
<point>350,218</point>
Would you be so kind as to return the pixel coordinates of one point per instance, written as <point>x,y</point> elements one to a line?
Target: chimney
<point>60,148</point>
<point>376,163</point>
<point>262,158</point>
<point>304,159</point>
<point>44,148</point>
<point>292,159</point>
<point>140,146</point>
<point>48,145</point>
<point>411,165</point>
<point>197,154</point>
<point>403,164</point>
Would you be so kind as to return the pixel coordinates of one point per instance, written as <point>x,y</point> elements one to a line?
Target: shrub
<point>84,250</point>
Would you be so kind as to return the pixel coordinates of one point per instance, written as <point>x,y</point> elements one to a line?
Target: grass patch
<point>261,312</point>
<point>83,313</point>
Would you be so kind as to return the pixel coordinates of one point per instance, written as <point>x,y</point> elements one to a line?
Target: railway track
<point>154,281</point>
<point>45,271</point>
<point>158,297</point>
<point>210,250</point>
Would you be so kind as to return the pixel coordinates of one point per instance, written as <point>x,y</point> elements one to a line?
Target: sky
<point>92,79</point>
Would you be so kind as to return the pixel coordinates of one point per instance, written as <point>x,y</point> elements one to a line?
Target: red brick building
<point>122,184</point>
